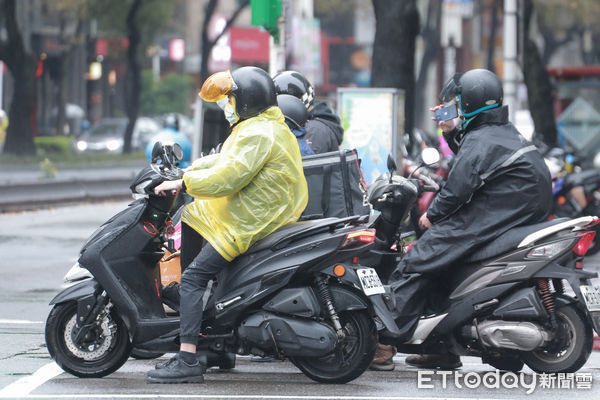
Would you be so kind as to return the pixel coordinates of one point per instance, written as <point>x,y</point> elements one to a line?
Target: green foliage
<point>153,17</point>
<point>333,7</point>
<point>562,15</point>
<point>52,145</point>
<point>48,168</point>
<point>170,94</point>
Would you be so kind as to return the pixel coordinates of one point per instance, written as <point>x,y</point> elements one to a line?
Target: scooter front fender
<point>75,292</point>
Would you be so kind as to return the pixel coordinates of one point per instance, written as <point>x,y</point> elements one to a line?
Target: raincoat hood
<point>253,187</point>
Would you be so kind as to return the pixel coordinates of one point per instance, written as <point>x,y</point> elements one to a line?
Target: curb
<point>23,190</point>
<point>38,195</point>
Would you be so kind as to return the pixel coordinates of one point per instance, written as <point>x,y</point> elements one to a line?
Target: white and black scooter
<point>523,298</point>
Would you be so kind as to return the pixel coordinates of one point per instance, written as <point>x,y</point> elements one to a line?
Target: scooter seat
<point>509,240</point>
<point>290,230</point>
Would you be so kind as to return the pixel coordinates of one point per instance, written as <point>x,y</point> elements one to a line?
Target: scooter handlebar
<point>429,184</point>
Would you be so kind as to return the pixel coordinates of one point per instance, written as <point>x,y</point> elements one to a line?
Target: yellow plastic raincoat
<point>254,186</point>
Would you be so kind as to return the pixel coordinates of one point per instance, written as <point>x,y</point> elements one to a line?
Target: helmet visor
<point>217,86</point>
<point>451,89</point>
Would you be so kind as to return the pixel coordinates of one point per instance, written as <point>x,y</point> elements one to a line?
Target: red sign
<point>249,45</point>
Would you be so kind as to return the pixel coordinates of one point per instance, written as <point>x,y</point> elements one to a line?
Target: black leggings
<point>203,267</point>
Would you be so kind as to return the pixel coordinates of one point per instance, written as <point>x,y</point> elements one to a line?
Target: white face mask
<point>228,110</point>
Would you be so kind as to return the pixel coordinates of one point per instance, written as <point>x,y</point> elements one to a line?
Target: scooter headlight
<point>77,273</point>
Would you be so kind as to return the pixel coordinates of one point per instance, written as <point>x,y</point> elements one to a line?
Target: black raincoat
<point>323,130</point>
<point>498,181</point>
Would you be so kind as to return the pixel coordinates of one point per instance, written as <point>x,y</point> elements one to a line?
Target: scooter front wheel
<point>104,350</point>
<point>352,356</point>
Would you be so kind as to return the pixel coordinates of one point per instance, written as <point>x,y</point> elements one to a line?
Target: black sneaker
<point>176,370</point>
<point>207,359</point>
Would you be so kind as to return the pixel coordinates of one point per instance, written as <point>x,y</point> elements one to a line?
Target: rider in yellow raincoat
<point>254,186</point>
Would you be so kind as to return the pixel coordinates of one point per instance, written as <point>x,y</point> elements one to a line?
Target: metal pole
<point>277,50</point>
<point>156,67</point>
<point>198,128</point>
<point>1,83</point>
<point>510,56</point>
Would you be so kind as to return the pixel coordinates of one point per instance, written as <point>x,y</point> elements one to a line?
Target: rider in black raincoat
<point>498,181</point>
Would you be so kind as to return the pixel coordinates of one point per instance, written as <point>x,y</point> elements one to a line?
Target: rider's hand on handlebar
<point>168,186</point>
<point>424,222</point>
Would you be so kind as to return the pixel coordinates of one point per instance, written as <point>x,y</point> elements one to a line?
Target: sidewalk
<point>23,188</point>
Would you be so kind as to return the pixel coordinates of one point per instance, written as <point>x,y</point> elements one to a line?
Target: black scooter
<point>523,298</point>
<point>300,293</point>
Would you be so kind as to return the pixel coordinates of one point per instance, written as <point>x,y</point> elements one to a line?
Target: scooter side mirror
<point>430,156</point>
<point>157,151</point>
<point>177,151</point>
<point>391,166</point>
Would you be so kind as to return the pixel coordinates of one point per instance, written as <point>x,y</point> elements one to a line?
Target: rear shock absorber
<point>548,299</point>
<point>559,287</point>
<point>325,295</point>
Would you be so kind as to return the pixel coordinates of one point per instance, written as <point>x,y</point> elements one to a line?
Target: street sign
<point>266,13</point>
<point>372,119</point>
<point>580,125</point>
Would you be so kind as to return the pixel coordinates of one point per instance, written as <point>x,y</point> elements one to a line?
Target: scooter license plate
<point>591,296</point>
<point>369,281</point>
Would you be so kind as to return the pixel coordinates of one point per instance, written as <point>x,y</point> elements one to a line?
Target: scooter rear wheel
<point>352,356</point>
<point>105,350</point>
<point>573,354</point>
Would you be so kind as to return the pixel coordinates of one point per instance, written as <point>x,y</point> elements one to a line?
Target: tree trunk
<point>22,65</point>
<point>539,88</point>
<point>134,77</point>
<point>397,26</point>
<point>206,43</point>
<point>60,79</point>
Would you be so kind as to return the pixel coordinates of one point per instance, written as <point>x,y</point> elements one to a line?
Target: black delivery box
<point>334,185</point>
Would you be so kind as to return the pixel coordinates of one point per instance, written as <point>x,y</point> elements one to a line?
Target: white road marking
<point>28,384</point>
<point>224,396</point>
<point>19,321</point>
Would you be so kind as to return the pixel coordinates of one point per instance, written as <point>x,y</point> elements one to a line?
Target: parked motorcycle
<point>507,302</point>
<point>300,293</point>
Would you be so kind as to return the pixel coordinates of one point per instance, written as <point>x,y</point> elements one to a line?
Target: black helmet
<point>292,82</point>
<point>255,91</point>
<point>477,90</point>
<point>171,121</point>
<point>252,88</point>
<point>293,109</point>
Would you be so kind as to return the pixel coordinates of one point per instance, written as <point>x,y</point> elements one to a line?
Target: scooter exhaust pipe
<point>524,336</point>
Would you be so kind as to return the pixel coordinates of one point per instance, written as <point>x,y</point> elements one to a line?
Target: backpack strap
<point>326,189</point>
<point>346,182</point>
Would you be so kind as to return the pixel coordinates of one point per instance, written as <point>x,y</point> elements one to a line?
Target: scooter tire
<point>140,354</point>
<point>359,347</point>
<point>505,363</point>
<point>577,350</point>
<point>112,353</point>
